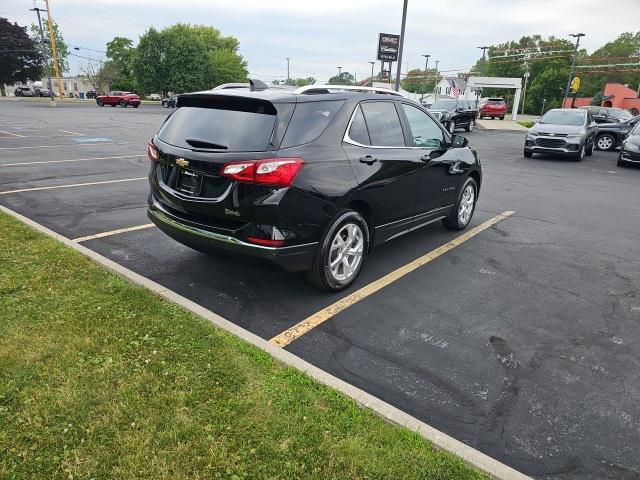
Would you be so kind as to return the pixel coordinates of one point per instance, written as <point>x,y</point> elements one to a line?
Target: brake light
<point>278,172</point>
<point>152,152</point>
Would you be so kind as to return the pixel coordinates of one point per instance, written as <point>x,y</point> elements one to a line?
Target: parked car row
<point>24,91</point>
<point>454,114</point>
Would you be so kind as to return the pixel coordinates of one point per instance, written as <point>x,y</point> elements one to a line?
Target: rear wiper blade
<point>201,143</point>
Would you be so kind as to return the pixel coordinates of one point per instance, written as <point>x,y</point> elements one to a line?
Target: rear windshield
<point>620,113</point>
<point>213,128</point>
<point>309,121</point>
<point>444,104</point>
<point>496,101</point>
<point>563,117</point>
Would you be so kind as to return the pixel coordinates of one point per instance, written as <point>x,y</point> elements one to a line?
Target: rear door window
<point>246,129</point>
<point>383,124</point>
<point>309,120</point>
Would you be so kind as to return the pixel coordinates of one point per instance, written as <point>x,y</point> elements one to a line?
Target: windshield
<point>444,104</point>
<point>564,117</point>
<point>636,130</point>
<point>622,114</point>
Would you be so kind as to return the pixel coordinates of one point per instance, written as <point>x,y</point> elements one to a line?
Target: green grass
<point>101,379</point>
<point>525,123</point>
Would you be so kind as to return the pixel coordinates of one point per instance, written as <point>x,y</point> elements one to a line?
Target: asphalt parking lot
<point>521,342</point>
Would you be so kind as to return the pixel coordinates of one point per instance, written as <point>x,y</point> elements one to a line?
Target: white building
<point>71,86</point>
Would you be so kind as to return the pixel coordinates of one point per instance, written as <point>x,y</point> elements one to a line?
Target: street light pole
<point>484,56</point>
<point>288,76</point>
<point>573,64</point>
<point>404,23</point>
<point>435,83</point>
<point>44,43</point>
<point>372,65</point>
<point>426,67</point>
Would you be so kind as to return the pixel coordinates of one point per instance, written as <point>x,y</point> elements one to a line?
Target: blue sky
<point>320,36</point>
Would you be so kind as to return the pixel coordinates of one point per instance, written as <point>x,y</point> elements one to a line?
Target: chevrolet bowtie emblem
<point>181,162</point>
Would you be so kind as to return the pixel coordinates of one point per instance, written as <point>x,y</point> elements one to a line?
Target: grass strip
<point>102,379</point>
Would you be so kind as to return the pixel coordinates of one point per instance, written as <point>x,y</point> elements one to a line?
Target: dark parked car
<point>630,152</point>
<point>124,99</point>
<point>608,114</point>
<point>308,179</point>
<point>493,108</point>
<point>611,135</point>
<point>562,131</point>
<point>23,92</point>
<point>170,102</point>
<point>43,92</point>
<point>454,114</point>
<point>91,94</point>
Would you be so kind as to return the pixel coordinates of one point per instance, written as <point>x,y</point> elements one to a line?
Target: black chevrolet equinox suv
<point>311,179</point>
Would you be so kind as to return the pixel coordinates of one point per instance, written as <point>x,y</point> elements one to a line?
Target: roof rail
<point>311,89</point>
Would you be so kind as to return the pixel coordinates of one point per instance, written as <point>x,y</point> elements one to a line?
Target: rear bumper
<point>291,258</point>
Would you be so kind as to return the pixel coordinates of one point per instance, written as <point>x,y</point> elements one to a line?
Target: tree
<point>417,82</point>
<point>120,52</point>
<point>19,57</point>
<point>183,58</point>
<point>102,78</point>
<point>295,82</point>
<point>45,48</point>
<point>345,78</point>
<point>597,99</point>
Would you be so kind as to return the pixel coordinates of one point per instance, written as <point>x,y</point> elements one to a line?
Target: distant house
<point>452,86</point>
<point>615,95</point>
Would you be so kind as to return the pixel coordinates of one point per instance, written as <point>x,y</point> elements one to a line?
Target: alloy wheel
<point>466,205</point>
<point>346,252</point>
<point>605,142</point>
<point>452,127</point>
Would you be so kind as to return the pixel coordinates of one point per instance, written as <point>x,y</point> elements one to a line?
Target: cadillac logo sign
<point>388,46</point>
<point>181,162</point>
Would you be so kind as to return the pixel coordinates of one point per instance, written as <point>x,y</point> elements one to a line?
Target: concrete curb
<point>473,457</point>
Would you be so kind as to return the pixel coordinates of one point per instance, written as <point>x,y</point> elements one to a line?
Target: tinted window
<point>424,131</point>
<point>309,121</point>
<point>622,114</point>
<point>384,124</point>
<point>358,131</point>
<point>239,131</point>
<point>564,117</point>
<point>636,130</point>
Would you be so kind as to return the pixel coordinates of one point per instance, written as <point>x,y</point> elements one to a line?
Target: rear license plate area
<point>189,182</point>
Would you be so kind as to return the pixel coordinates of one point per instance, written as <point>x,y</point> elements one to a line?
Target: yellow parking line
<point>6,192</point>
<point>289,335</point>
<point>12,134</point>
<point>20,164</point>
<point>114,232</point>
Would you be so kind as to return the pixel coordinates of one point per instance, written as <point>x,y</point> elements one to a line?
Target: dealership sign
<point>388,46</point>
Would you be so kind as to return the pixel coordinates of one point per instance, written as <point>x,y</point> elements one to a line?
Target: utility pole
<point>435,83</point>
<point>404,23</point>
<point>372,65</point>
<point>288,76</point>
<point>426,67</point>
<point>44,48</point>
<point>54,51</point>
<point>526,81</point>
<point>484,56</point>
<point>573,64</point>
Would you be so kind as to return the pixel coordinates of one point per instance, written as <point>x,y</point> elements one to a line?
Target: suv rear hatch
<point>206,132</point>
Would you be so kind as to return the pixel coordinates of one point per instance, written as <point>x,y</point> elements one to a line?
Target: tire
<point>502,117</point>
<point>136,105</point>
<point>456,219</point>
<point>469,127</point>
<point>589,151</point>
<point>528,154</point>
<point>605,142</point>
<point>123,104</point>
<point>100,103</point>
<point>321,274</point>
<point>581,153</point>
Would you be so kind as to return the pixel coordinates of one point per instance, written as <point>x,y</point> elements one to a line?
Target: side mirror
<point>458,141</point>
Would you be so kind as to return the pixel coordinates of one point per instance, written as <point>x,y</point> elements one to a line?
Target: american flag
<point>455,91</point>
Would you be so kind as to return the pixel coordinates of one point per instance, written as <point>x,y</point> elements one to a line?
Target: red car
<point>495,107</point>
<point>124,99</point>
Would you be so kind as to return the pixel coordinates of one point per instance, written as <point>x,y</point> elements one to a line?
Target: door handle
<point>368,159</point>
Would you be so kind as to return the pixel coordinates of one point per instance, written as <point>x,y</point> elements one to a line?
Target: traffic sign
<point>575,84</point>
<point>388,46</point>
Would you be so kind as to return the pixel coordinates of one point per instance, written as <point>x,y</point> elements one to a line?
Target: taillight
<point>278,172</point>
<point>152,152</point>
<point>266,242</point>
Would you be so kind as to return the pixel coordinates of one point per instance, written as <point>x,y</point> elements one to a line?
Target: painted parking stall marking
<point>34,189</point>
<point>114,232</point>
<point>22,164</point>
<point>289,335</point>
